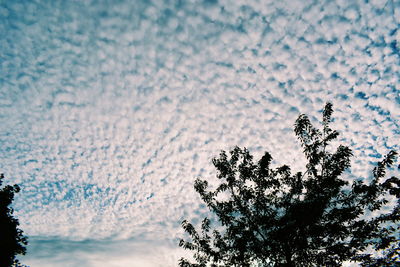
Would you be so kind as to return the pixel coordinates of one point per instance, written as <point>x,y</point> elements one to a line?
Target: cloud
<point>60,252</point>
<point>109,112</point>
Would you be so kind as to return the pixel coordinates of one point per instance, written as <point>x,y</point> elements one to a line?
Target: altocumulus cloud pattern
<point>110,109</point>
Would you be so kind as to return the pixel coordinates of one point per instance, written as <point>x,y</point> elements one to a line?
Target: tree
<point>268,216</point>
<point>12,240</point>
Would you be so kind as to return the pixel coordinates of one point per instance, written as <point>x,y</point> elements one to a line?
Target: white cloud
<point>108,113</point>
<point>99,253</point>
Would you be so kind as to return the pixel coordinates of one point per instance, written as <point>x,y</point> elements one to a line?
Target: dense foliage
<point>272,217</point>
<point>12,240</point>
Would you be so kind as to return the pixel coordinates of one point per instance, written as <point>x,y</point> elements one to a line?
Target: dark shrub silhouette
<point>272,217</point>
<point>12,240</point>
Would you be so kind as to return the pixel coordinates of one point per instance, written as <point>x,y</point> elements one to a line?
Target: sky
<point>109,110</point>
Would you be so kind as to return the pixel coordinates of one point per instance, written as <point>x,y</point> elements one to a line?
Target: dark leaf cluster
<point>274,217</point>
<point>12,240</point>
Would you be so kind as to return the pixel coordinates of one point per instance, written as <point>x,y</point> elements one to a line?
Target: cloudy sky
<point>110,109</point>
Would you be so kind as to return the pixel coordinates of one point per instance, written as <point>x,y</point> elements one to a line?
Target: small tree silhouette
<point>271,217</point>
<point>12,240</point>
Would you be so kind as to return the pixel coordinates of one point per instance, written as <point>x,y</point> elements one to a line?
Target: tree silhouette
<point>12,240</point>
<point>272,217</point>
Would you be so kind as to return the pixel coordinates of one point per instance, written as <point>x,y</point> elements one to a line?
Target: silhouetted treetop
<point>275,217</point>
<point>12,240</point>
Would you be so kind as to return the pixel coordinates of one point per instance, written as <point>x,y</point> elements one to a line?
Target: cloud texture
<point>110,109</point>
